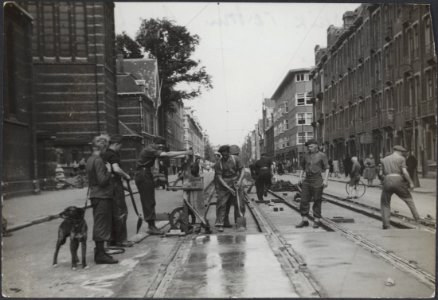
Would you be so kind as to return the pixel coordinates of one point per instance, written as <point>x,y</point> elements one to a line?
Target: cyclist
<point>354,176</point>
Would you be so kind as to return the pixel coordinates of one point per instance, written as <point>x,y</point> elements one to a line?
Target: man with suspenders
<point>229,171</point>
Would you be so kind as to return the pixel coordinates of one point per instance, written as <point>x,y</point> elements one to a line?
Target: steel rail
<point>293,264</point>
<point>403,221</point>
<point>178,255</point>
<point>395,260</point>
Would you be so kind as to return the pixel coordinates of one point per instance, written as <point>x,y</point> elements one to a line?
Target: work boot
<point>384,227</point>
<point>124,244</point>
<point>103,258</point>
<point>154,231</point>
<point>316,225</point>
<point>302,224</point>
<point>220,229</point>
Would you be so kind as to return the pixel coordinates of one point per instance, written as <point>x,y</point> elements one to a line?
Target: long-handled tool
<point>241,220</point>
<point>204,221</point>
<point>139,215</point>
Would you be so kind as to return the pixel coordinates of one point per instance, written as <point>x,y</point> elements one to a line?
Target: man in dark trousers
<point>101,197</point>
<point>313,164</point>
<point>145,180</point>
<point>229,171</point>
<point>119,232</point>
<point>396,181</point>
<point>263,175</point>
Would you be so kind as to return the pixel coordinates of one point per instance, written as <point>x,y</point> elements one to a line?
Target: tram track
<point>387,255</point>
<point>177,256</point>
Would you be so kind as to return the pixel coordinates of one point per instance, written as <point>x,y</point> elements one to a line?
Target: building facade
<point>193,134</point>
<point>19,156</point>
<point>375,84</point>
<point>74,78</point>
<point>292,115</point>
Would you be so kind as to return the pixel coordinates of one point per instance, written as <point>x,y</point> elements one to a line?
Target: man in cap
<point>145,180</point>
<point>263,175</point>
<point>313,164</point>
<point>396,180</point>
<point>119,232</point>
<point>228,172</point>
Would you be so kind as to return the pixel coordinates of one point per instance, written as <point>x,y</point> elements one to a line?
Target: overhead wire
<point>198,13</point>
<point>223,64</point>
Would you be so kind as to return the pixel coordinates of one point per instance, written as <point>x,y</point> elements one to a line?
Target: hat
<point>234,149</point>
<point>399,148</point>
<point>224,148</point>
<point>116,139</point>
<point>311,142</point>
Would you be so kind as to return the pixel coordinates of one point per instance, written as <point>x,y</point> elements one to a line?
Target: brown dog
<point>74,225</point>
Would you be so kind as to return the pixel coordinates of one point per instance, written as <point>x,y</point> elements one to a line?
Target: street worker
<point>313,164</point>
<point>263,175</point>
<point>354,176</point>
<point>229,172</point>
<point>396,180</point>
<point>119,236</point>
<point>370,169</point>
<point>144,179</point>
<point>101,197</point>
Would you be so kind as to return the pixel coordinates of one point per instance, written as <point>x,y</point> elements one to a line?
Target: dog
<point>74,225</point>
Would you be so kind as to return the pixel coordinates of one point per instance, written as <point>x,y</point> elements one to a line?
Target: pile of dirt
<point>284,186</point>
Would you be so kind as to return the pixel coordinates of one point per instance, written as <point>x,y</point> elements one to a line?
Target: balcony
<point>427,108</point>
<point>387,117</point>
<point>429,54</point>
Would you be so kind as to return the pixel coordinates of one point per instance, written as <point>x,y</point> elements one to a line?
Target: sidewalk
<point>24,211</point>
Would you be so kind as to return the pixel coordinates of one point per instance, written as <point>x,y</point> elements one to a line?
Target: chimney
<point>348,18</point>
<point>119,64</point>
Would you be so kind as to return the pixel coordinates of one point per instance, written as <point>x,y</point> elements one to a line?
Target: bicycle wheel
<point>355,191</point>
<point>361,189</point>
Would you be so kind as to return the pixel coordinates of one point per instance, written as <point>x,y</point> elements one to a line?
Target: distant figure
<point>354,175</point>
<point>336,168</point>
<point>263,176</point>
<point>330,162</point>
<point>411,163</point>
<point>347,165</point>
<point>362,166</point>
<point>370,169</point>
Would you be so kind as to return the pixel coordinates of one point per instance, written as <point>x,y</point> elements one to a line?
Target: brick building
<point>292,115</point>
<point>19,155</point>
<point>74,78</point>
<point>193,134</point>
<point>137,92</point>
<point>174,129</point>
<point>267,127</point>
<point>375,83</point>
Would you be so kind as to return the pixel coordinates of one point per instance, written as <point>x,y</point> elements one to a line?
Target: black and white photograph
<point>219,149</point>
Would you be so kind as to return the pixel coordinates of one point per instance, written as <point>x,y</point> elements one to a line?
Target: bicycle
<point>355,191</point>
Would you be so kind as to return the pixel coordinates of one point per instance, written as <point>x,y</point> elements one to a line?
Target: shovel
<point>131,195</point>
<point>241,220</point>
<point>204,221</point>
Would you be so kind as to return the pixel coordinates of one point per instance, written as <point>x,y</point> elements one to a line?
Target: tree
<point>127,46</point>
<point>208,151</point>
<point>172,45</point>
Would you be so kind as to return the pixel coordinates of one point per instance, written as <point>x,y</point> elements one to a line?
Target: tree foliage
<point>127,46</point>
<point>208,151</point>
<point>172,45</point>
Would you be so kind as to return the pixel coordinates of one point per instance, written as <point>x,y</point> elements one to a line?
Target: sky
<point>247,48</point>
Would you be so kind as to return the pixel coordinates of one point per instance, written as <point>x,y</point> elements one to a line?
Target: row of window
<point>300,119</point>
<point>300,139</point>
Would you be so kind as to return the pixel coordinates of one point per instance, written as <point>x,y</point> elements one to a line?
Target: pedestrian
<point>263,176</point>
<point>362,166</point>
<point>144,179</point>
<point>119,232</point>
<point>336,168</point>
<point>313,164</point>
<point>370,169</point>
<point>101,196</point>
<point>229,172</point>
<point>195,168</point>
<point>354,176</point>
<point>330,162</point>
<point>396,181</point>
<point>174,169</point>
<point>347,165</point>
<point>411,163</point>
<point>163,173</point>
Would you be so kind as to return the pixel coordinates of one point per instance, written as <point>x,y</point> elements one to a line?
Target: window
<point>427,32</point>
<point>416,42</point>
<point>286,124</point>
<point>429,85</point>
<point>9,91</point>
<point>303,99</point>
<point>301,77</point>
<point>306,117</point>
<point>303,137</point>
